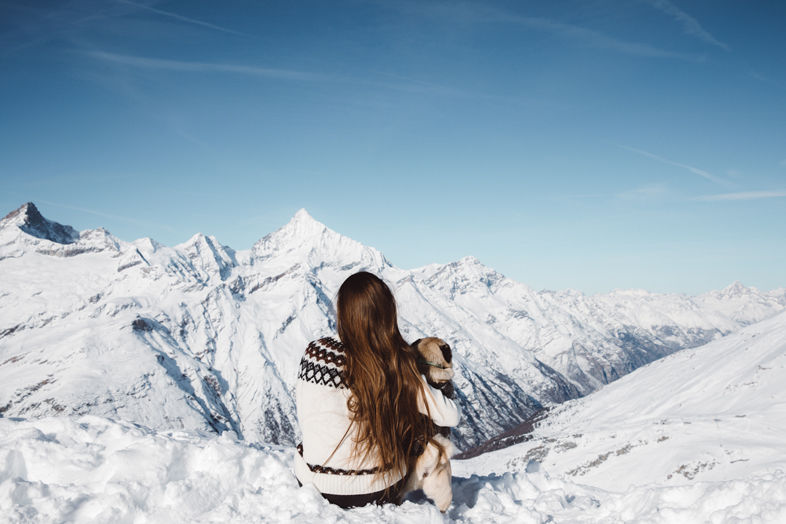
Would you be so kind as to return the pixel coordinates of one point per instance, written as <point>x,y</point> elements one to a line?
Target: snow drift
<point>713,413</point>
<point>90,469</point>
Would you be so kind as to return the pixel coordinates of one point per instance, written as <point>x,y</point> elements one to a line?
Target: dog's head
<point>435,359</point>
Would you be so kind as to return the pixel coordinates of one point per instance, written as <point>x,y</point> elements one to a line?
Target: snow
<point>92,469</point>
<point>716,413</point>
<point>147,383</point>
<point>224,329</point>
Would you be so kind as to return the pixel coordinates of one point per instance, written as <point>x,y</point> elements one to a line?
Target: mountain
<point>693,437</point>
<point>29,220</point>
<point>200,336</point>
<point>712,413</point>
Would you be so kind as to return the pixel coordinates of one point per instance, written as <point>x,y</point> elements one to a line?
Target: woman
<point>361,402</point>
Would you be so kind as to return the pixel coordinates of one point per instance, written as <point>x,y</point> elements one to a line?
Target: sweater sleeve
<point>444,411</point>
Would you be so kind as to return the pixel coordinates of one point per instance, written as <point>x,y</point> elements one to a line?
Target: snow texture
<point>90,469</point>
<point>143,383</point>
<point>202,337</point>
<point>713,413</point>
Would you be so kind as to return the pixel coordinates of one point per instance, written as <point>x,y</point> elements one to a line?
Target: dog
<point>435,362</point>
<point>432,472</point>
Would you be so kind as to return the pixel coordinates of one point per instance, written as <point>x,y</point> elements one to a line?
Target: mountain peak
<point>304,224</point>
<point>735,288</point>
<point>196,238</point>
<point>302,215</point>
<point>27,213</point>
<point>318,243</point>
<point>302,227</point>
<point>470,260</point>
<point>31,221</point>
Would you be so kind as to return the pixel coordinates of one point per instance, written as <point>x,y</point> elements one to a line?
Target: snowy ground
<point>91,469</point>
<point>694,437</point>
<point>200,338</point>
<point>713,413</point>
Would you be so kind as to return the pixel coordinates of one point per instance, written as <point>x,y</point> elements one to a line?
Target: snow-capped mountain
<point>712,413</point>
<point>199,336</point>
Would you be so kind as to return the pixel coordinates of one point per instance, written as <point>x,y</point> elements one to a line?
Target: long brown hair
<point>383,376</point>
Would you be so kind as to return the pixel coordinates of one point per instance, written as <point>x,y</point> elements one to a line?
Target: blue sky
<point>590,144</point>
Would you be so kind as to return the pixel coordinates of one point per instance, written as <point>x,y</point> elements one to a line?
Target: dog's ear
<point>423,368</point>
<point>446,353</point>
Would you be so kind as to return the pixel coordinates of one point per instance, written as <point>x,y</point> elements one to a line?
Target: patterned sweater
<point>324,418</point>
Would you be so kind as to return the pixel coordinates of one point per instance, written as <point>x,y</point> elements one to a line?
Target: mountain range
<point>714,413</point>
<point>202,337</point>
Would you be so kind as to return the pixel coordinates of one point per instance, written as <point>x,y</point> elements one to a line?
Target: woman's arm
<point>443,411</point>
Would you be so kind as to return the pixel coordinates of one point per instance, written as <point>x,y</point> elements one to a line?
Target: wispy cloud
<point>182,18</point>
<point>413,85</point>
<point>644,192</point>
<point>407,84</point>
<point>695,170</point>
<point>110,216</point>
<point>202,67</point>
<point>743,195</point>
<point>33,25</point>
<point>600,40</point>
<point>403,84</point>
<point>475,13</point>
<point>690,25</point>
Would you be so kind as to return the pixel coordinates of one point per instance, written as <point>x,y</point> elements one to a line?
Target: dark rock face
<point>142,324</point>
<point>515,435</point>
<point>490,405</point>
<point>33,223</point>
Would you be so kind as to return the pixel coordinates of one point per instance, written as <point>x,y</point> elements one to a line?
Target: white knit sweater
<point>324,418</point>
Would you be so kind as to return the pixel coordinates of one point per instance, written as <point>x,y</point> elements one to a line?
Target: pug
<point>432,472</point>
<point>435,362</point>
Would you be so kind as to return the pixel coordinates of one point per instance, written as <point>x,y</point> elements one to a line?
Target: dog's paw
<point>447,389</point>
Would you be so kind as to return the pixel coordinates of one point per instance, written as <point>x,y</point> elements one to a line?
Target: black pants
<point>361,499</point>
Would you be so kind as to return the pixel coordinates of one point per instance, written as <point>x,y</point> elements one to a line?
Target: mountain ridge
<point>219,333</point>
<point>31,221</point>
<point>710,413</point>
<point>303,220</point>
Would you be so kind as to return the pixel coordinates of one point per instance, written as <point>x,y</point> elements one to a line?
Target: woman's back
<point>327,456</point>
<point>361,401</point>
